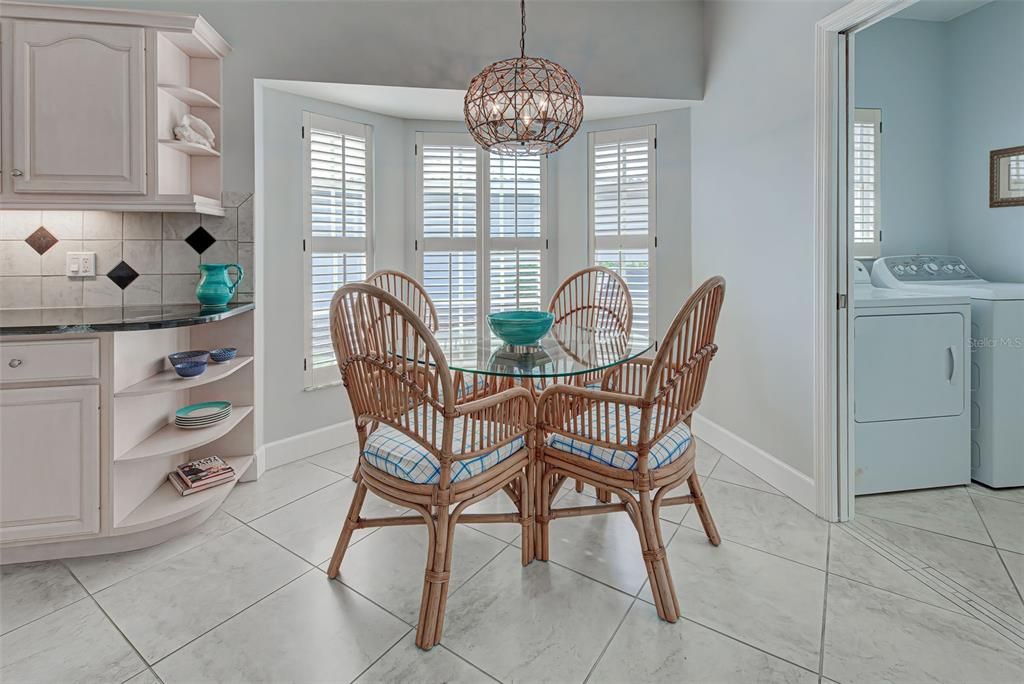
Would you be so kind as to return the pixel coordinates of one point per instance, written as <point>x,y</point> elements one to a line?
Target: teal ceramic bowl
<point>520,327</point>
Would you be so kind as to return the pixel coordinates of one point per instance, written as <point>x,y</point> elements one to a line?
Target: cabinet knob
<point>17,172</point>
<point>14,363</point>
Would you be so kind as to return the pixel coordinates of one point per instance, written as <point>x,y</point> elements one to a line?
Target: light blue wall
<point>949,93</point>
<point>901,69</point>
<point>986,58</point>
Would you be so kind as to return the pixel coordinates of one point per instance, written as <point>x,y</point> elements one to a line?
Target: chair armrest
<point>494,421</point>
<point>629,377</point>
<point>596,416</point>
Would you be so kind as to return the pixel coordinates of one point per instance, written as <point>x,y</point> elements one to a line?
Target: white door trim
<point>833,95</point>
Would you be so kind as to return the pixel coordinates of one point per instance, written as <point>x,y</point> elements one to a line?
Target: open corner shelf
<point>165,505</point>
<point>190,148</point>
<point>169,381</point>
<point>190,96</point>
<point>170,439</point>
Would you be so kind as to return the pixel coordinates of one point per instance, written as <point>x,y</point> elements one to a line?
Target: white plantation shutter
<point>622,213</point>
<point>339,228</point>
<point>480,231</point>
<point>867,135</point>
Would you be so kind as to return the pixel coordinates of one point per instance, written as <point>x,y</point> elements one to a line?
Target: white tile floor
<point>921,587</point>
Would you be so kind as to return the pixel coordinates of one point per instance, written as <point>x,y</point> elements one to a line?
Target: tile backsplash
<point>141,258</point>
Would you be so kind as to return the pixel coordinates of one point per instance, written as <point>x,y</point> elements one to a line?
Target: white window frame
<point>483,244</point>
<point>873,249</point>
<point>325,376</point>
<point>648,242</point>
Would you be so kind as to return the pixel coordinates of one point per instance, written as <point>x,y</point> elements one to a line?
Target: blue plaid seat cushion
<point>664,451</point>
<point>398,454</point>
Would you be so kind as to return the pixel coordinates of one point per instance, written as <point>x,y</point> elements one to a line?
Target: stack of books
<point>195,476</point>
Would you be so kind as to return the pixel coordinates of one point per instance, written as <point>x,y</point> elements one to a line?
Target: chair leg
<point>435,583</point>
<point>543,510</point>
<point>347,529</point>
<point>579,486</point>
<point>526,512</point>
<point>703,511</point>
<point>604,495</point>
<point>658,572</point>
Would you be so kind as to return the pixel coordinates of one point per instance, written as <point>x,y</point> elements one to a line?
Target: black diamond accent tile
<point>123,275</point>
<point>41,240</point>
<point>200,240</point>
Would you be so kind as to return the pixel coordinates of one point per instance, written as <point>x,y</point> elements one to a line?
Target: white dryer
<point>911,406</point>
<point>997,352</point>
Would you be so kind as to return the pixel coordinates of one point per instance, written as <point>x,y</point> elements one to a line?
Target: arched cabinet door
<point>79,108</point>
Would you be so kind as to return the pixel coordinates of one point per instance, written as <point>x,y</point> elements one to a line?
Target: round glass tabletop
<point>565,351</point>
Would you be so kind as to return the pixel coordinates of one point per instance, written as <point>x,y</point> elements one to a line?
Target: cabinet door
<point>79,108</point>
<point>49,462</point>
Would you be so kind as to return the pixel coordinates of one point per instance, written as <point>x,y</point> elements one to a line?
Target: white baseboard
<point>297,447</point>
<point>782,476</point>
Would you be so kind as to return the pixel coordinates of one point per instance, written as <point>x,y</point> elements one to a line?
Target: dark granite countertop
<point>87,319</point>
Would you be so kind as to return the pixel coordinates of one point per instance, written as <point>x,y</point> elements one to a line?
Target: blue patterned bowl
<point>190,369</point>
<point>200,355</point>
<point>520,327</point>
<point>223,354</point>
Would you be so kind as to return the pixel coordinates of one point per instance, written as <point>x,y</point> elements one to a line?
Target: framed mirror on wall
<point>1006,177</point>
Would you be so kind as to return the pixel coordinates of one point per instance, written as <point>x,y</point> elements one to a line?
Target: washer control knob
<point>948,268</point>
<point>931,267</point>
<point>898,269</point>
<point>960,268</point>
<point>912,268</point>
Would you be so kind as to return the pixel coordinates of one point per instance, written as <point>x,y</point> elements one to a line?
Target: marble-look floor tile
<point>730,471</point>
<point>977,568</point>
<point>769,522</point>
<point>946,511</point>
<point>309,527</point>
<point>646,649</point>
<point>497,503</point>
<point>854,560</point>
<point>603,547</point>
<point>31,590</point>
<point>277,487</point>
<point>99,572</point>
<point>166,606</point>
<point>707,458</point>
<point>1004,521</point>
<point>875,636</point>
<point>1015,566</point>
<point>75,644</point>
<point>405,664</point>
<point>312,630</point>
<point>538,623</point>
<point>388,567</point>
<point>341,460</point>
<point>1008,493</point>
<point>147,676</point>
<point>763,600</point>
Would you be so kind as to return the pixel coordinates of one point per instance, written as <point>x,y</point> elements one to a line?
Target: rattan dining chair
<point>594,298</point>
<point>418,447</point>
<point>632,437</point>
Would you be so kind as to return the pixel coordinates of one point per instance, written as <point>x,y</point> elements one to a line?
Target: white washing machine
<point>911,407</point>
<point>997,352</point>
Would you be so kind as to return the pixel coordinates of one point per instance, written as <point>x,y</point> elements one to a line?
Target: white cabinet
<point>79,108</point>
<point>49,478</point>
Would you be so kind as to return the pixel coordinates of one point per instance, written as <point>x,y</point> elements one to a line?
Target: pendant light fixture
<point>524,105</point>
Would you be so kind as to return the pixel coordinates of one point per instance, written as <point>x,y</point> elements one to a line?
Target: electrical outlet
<point>81,264</point>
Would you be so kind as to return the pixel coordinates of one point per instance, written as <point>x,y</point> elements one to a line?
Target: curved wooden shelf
<point>165,505</point>
<point>190,96</point>
<point>171,439</point>
<point>169,381</point>
<point>190,148</point>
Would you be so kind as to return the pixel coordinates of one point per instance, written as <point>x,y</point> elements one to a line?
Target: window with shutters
<point>867,136</point>
<point>339,228</point>
<point>623,231</point>
<point>481,239</point>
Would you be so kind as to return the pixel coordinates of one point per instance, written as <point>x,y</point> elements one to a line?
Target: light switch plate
<point>81,264</point>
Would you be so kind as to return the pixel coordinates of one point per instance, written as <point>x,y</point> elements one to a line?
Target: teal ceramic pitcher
<point>215,287</point>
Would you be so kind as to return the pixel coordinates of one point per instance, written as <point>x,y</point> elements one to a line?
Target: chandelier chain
<point>522,35</point>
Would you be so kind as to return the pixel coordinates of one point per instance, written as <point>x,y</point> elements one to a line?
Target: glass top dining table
<point>564,352</point>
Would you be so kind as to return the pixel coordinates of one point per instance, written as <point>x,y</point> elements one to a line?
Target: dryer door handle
<point>952,363</point>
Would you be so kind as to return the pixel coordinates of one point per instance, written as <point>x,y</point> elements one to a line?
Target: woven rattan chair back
<point>596,298</point>
<point>408,291</point>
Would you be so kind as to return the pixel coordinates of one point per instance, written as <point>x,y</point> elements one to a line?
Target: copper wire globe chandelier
<point>524,105</point>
